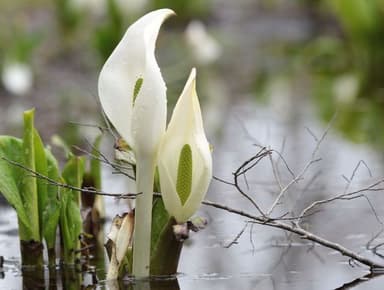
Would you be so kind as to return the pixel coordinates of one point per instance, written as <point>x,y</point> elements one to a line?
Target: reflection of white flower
<point>345,88</point>
<point>204,47</point>
<point>17,78</point>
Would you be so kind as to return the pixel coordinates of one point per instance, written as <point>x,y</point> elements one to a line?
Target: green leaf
<point>70,218</point>
<point>11,175</point>
<point>165,249</point>
<point>160,218</point>
<point>70,225</point>
<point>51,216</point>
<point>75,223</point>
<point>73,173</point>
<point>184,174</point>
<point>28,190</point>
<point>40,167</point>
<point>51,213</point>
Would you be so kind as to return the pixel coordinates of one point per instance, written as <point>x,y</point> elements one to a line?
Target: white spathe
<point>142,122</point>
<point>185,128</point>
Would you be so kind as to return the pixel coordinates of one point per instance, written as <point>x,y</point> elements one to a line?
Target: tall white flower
<point>131,89</point>
<point>185,161</point>
<point>133,96</point>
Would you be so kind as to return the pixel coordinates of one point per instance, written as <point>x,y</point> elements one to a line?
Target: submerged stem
<point>143,218</point>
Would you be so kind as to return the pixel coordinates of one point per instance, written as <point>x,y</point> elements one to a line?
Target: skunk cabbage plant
<point>133,96</point>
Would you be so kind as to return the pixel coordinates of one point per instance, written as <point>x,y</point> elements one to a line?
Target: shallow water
<point>263,258</point>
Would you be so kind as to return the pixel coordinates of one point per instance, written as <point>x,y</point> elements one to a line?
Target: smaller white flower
<point>185,161</point>
<point>204,47</point>
<point>17,78</point>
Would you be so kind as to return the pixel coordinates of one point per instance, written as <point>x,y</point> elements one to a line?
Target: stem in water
<point>143,218</point>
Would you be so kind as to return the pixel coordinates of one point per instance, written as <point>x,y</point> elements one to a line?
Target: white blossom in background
<point>99,7</point>
<point>345,88</point>
<point>96,7</point>
<point>17,78</point>
<point>204,48</point>
<point>132,7</point>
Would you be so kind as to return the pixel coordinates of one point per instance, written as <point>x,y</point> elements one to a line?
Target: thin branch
<point>349,180</point>
<point>102,129</point>
<point>296,179</point>
<point>223,181</point>
<point>275,173</point>
<point>245,167</point>
<point>237,237</point>
<point>301,233</point>
<point>312,160</point>
<point>67,186</point>
<point>102,158</point>
<point>346,196</point>
<point>281,157</point>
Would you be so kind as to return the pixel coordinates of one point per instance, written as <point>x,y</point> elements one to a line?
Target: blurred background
<point>327,53</point>
<point>269,72</point>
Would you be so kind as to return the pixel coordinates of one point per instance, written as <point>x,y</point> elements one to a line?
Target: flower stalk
<point>145,171</point>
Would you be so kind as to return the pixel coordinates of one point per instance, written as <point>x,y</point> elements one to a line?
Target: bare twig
<point>67,186</point>
<point>223,181</point>
<point>296,179</point>
<point>301,233</point>
<point>312,160</point>
<point>241,171</point>
<point>121,169</point>
<point>345,196</point>
<point>237,237</point>
<point>349,180</point>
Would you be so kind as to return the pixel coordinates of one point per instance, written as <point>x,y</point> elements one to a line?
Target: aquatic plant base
<point>31,253</point>
<point>166,260</point>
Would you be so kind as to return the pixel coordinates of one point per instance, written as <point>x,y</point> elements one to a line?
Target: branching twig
<point>67,186</point>
<point>345,196</point>
<point>300,232</point>
<point>102,158</point>
<point>244,168</point>
<point>312,160</point>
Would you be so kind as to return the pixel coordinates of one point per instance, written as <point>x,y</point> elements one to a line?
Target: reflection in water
<point>154,284</point>
<point>33,278</point>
